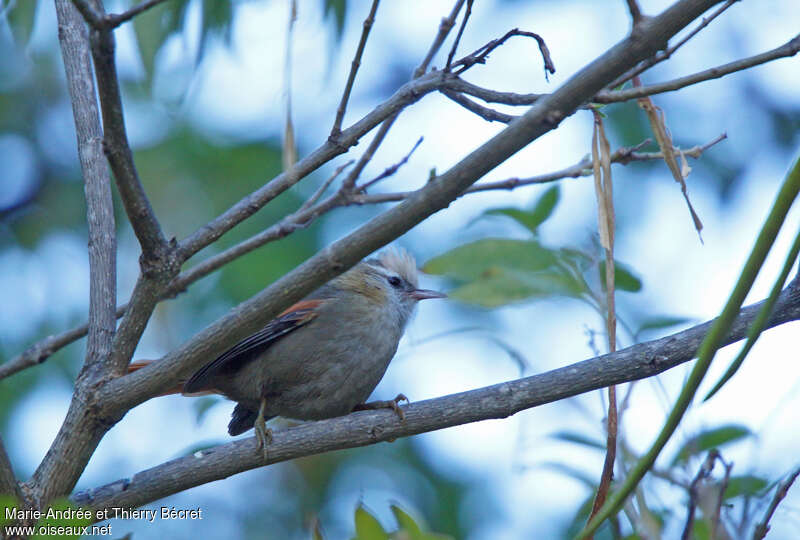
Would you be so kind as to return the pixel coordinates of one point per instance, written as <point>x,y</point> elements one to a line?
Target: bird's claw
<point>263,433</point>
<point>393,404</point>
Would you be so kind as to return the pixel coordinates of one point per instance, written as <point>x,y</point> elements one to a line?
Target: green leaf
<point>154,26</point>
<point>713,438</point>
<point>624,278</point>
<point>578,438</point>
<point>368,527</point>
<point>495,290</point>
<point>21,15</point>
<point>482,257</point>
<point>659,322</point>
<point>531,219</point>
<point>337,10</point>
<point>406,523</point>
<point>745,485</point>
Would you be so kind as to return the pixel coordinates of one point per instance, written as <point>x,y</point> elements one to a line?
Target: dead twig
<point>480,55</point>
<point>450,56</point>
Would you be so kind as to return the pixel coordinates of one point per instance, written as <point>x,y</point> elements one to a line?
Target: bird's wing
<point>249,348</point>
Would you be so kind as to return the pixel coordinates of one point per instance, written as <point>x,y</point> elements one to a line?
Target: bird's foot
<point>263,433</point>
<point>393,404</point>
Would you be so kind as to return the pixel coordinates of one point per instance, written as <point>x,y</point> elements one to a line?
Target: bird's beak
<point>422,294</point>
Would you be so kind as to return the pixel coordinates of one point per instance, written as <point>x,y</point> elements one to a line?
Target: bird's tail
<point>139,364</point>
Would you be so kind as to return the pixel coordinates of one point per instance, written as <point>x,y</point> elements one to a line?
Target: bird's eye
<point>395,281</point>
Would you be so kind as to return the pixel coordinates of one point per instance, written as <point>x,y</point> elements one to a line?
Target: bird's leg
<point>393,404</point>
<point>263,433</point>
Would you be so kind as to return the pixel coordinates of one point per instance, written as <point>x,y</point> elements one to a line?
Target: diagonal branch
<point>788,49</point>
<point>41,350</point>
<point>365,428</point>
<point>348,87</point>
<point>119,395</point>
<point>118,150</point>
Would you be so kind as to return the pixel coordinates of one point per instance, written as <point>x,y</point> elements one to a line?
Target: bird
<point>323,356</point>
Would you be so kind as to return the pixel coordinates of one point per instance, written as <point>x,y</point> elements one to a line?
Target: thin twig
<point>623,156</point>
<point>118,151</point>
<point>788,49</point>
<point>486,113</point>
<point>694,491</point>
<point>454,48</point>
<point>389,171</point>
<point>444,28</point>
<point>635,10</point>
<point>480,55</point>
<point>669,51</point>
<point>368,22</point>
<point>762,528</point>
<point>115,19</point>
<point>325,185</point>
<point>41,350</point>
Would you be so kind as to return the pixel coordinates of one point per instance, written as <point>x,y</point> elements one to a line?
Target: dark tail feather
<point>242,419</point>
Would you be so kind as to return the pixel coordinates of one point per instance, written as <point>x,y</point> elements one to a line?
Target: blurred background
<point>205,94</point>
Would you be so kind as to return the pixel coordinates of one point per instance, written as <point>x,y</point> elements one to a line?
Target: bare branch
<point>119,395</point>
<point>444,28</point>
<point>368,22</point>
<point>622,155</point>
<point>486,113</point>
<point>118,150</point>
<point>40,351</point>
<point>454,48</point>
<point>490,96</point>
<point>704,472</point>
<point>325,185</point>
<point>389,171</point>
<point>669,51</point>
<point>409,93</point>
<point>635,10</point>
<point>480,55</point>
<point>74,42</point>
<point>762,528</point>
<point>115,19</point>
<point>370,427</point>
<point>8,482</point>
<point>788,49</point>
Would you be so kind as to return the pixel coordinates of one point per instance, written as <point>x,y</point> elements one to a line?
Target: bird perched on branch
<point>323,356</point>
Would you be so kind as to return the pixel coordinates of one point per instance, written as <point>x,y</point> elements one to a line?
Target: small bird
<point>323,356</point>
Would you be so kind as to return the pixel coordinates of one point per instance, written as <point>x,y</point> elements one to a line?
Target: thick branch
<point>364,428</point>
<point>99,203</point>
<point>409,93</point>
<point>118,150</point>
<point>119,395</point>
<point>8,482</point>
<point>40,351</point>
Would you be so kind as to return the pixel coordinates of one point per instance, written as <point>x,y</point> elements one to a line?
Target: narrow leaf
<point>712,438</point>
<point>368,527</point>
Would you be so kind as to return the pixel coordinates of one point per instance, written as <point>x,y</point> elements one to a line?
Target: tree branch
<point>119,395</point>
<point>660,56</point>
<point>788,49</point>
<point>40,351</point>
<point>762,528</point>
<point>370,427</point>
<point>444,28</point>
<point>99,202</point>
<point>368,22</point>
